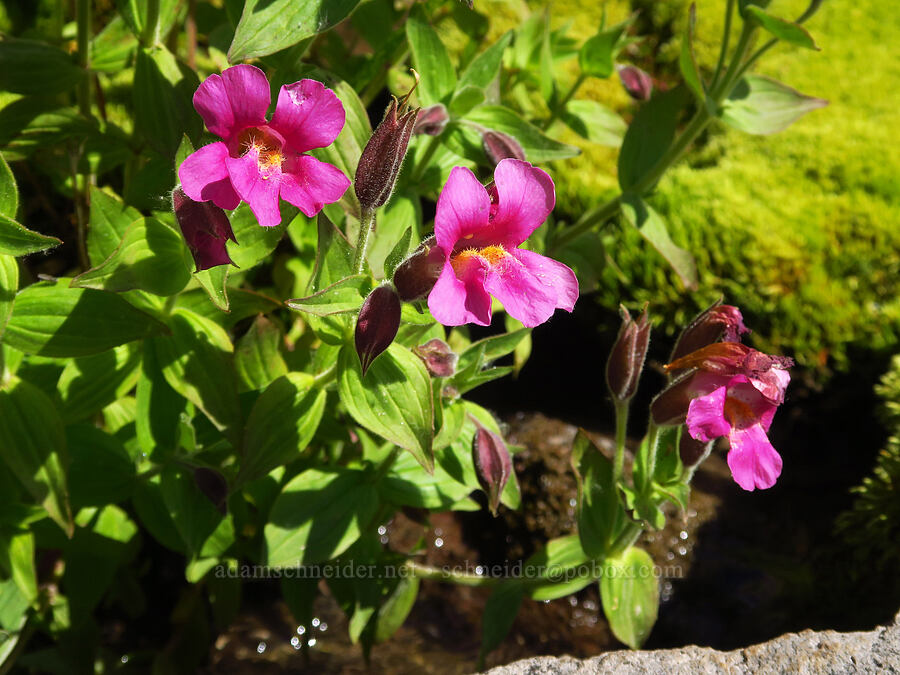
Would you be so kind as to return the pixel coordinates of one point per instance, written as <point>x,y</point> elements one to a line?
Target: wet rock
<point>876,651</point>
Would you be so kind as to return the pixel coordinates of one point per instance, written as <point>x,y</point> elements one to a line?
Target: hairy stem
<point>366,224</point>
<point>448,575</point>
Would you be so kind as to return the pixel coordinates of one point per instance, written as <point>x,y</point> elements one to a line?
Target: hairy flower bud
<point>637,83</point>
<point>432,120</point>
<point>205,228</point>
<point>692,451</point>
<point>493,464</point>
<point>626,360</point>
<point>498,146</point>
<point>718,323</point>
<point>213,485</point>
<point>383,155</point>
<point>415,277</point>
<point>439,359</point>
<point>377,324</point>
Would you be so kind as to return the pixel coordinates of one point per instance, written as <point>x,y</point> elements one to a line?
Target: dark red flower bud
<point>626,360</point>
<point>205,228</point>
<point>383,155</point>
<point>493,464</point>
<point>432,120</point>
<point>499,146</point>
<point>637,83</point>
<point>718,323</point>
<point>438,357</point>
<point>377,324</point>
<point>415,277</point>
<point>692,451</point>
<point>670,407</point>
<point>213,485</point>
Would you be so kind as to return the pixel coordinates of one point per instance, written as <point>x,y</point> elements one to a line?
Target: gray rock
<point>809,652</point>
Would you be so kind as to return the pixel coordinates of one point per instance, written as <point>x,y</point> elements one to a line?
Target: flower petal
<point>753,461</point>
<point>462,209</point>
<point>234,100</point>
<point>309,184</point>
<point>260,192</point>
<point>524,296</point>
<point>204,177</point>
<point>455,301</point>
<point>706,416</point>
<point>308,114</point>
<point>525,197</point>
<point>552,274</point>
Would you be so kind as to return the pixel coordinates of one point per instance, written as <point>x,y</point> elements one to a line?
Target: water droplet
<point>479,570</point>
<point>438,542</point>
<point>670,556</point>
<point>124,658</point>
<point>438,531</point>
<point>295,642</point>
<point>573,601</point>
<point>301,630</point>
<point>323,626</point>
<point>682,550</point>
<point>382,529</point>
<point>312,642</point>
<point>384,539</point>
<point>261,647</point>
<point>573,502</point>
<point>683,534</point>
<point>315,622</point>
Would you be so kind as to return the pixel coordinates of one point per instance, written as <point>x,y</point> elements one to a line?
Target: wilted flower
<point>479,234</point>
<point>439,359</point>
<point>730,390</point>
<point>259,161</point>
<point>493,464</point>
<point>718,323</point>
<point>499,146</point>
<point>205,227</point>
<point>637,83</point>
<point>377,324</point>
<point>626,359</point>
<point>213,485</point>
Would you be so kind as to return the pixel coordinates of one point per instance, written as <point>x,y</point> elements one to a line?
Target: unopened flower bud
<point>383,155</point>
<point>213,485</point>
<point>493,464</point>
<point>415,277</point>
<point>626,360</point>
<point>692,451</point>
<point>432,120</point>
<point>498,146</point>
<point>377,324</point>
<point>439,359</point>
<point>637,83</point>
<point>670,407</point>
<point>718,323</point>
<point>205,228</point>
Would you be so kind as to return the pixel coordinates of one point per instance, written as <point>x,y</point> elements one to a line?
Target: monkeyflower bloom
<point>733,390</point>
<point>259,161</point>
<point>478,231</point>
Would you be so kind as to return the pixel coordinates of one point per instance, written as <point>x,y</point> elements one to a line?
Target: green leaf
<point>162,96</point>
<point>90,383</point>
<point>464,99</point>
<point>788,31</point>
<point>154,514</point>
<point>34,67</point>
<point>17,559</point>
<point>393,400</point>
<point>197,362</point>
<point>597,56</point>
<point>54,320</point>
<point>334,257</point>
<point>649,136</point>
<point>408,484</point>
<point>391,243</point>
<point>134,12</point>
<point>9,193</point>
<point>151,257</point>
<point>255,243</point>
<point>257,356</point>
<point>32,123</point>
<point>398,254</point>
<point>9,284</point>
<point>396,607</point>
<point>686,60</point>
<point>16,240</point>
<point>559,569</point>
<point>431,60</point>
<point>495,347</point>
<point>159,409</point>
<point>485,68</point>
<point>499,613</point>
<point>652,227</point>
<point>112,47</point>
<point>214,282</point>
<point>599,512</point>
<point>281,424</point>
<point>32,445</point>
<point>595,122</point>
<point>318,515</point>
<point>760,105</point>
<point>109,220</point>
<point>100,472</point>
<point>630,595</point>
<point>538,146</point>
<point>268,26</point>
<point>346,295</point>
<point>194,515</point>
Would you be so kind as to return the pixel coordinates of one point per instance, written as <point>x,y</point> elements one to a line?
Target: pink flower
<point>259,161</point>
<point>734,392</point>
<point>478,232</point>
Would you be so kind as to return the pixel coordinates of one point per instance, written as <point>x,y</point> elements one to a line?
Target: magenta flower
<point>259,161</point>
<point>734,392</point>
<point>478,232</point>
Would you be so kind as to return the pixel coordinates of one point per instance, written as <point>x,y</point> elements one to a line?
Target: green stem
<point>325,377</point>
<point>448,575</point>
<point>626,539</point>
<point>83,28</point>
<point>433,144</point>
<point>726,38</point>
<point>589,219</point>
<point>621,429</point>
<point>386,464</point>
<point>366,224</point>
<point>150,34</point>
<point>559,107</point>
